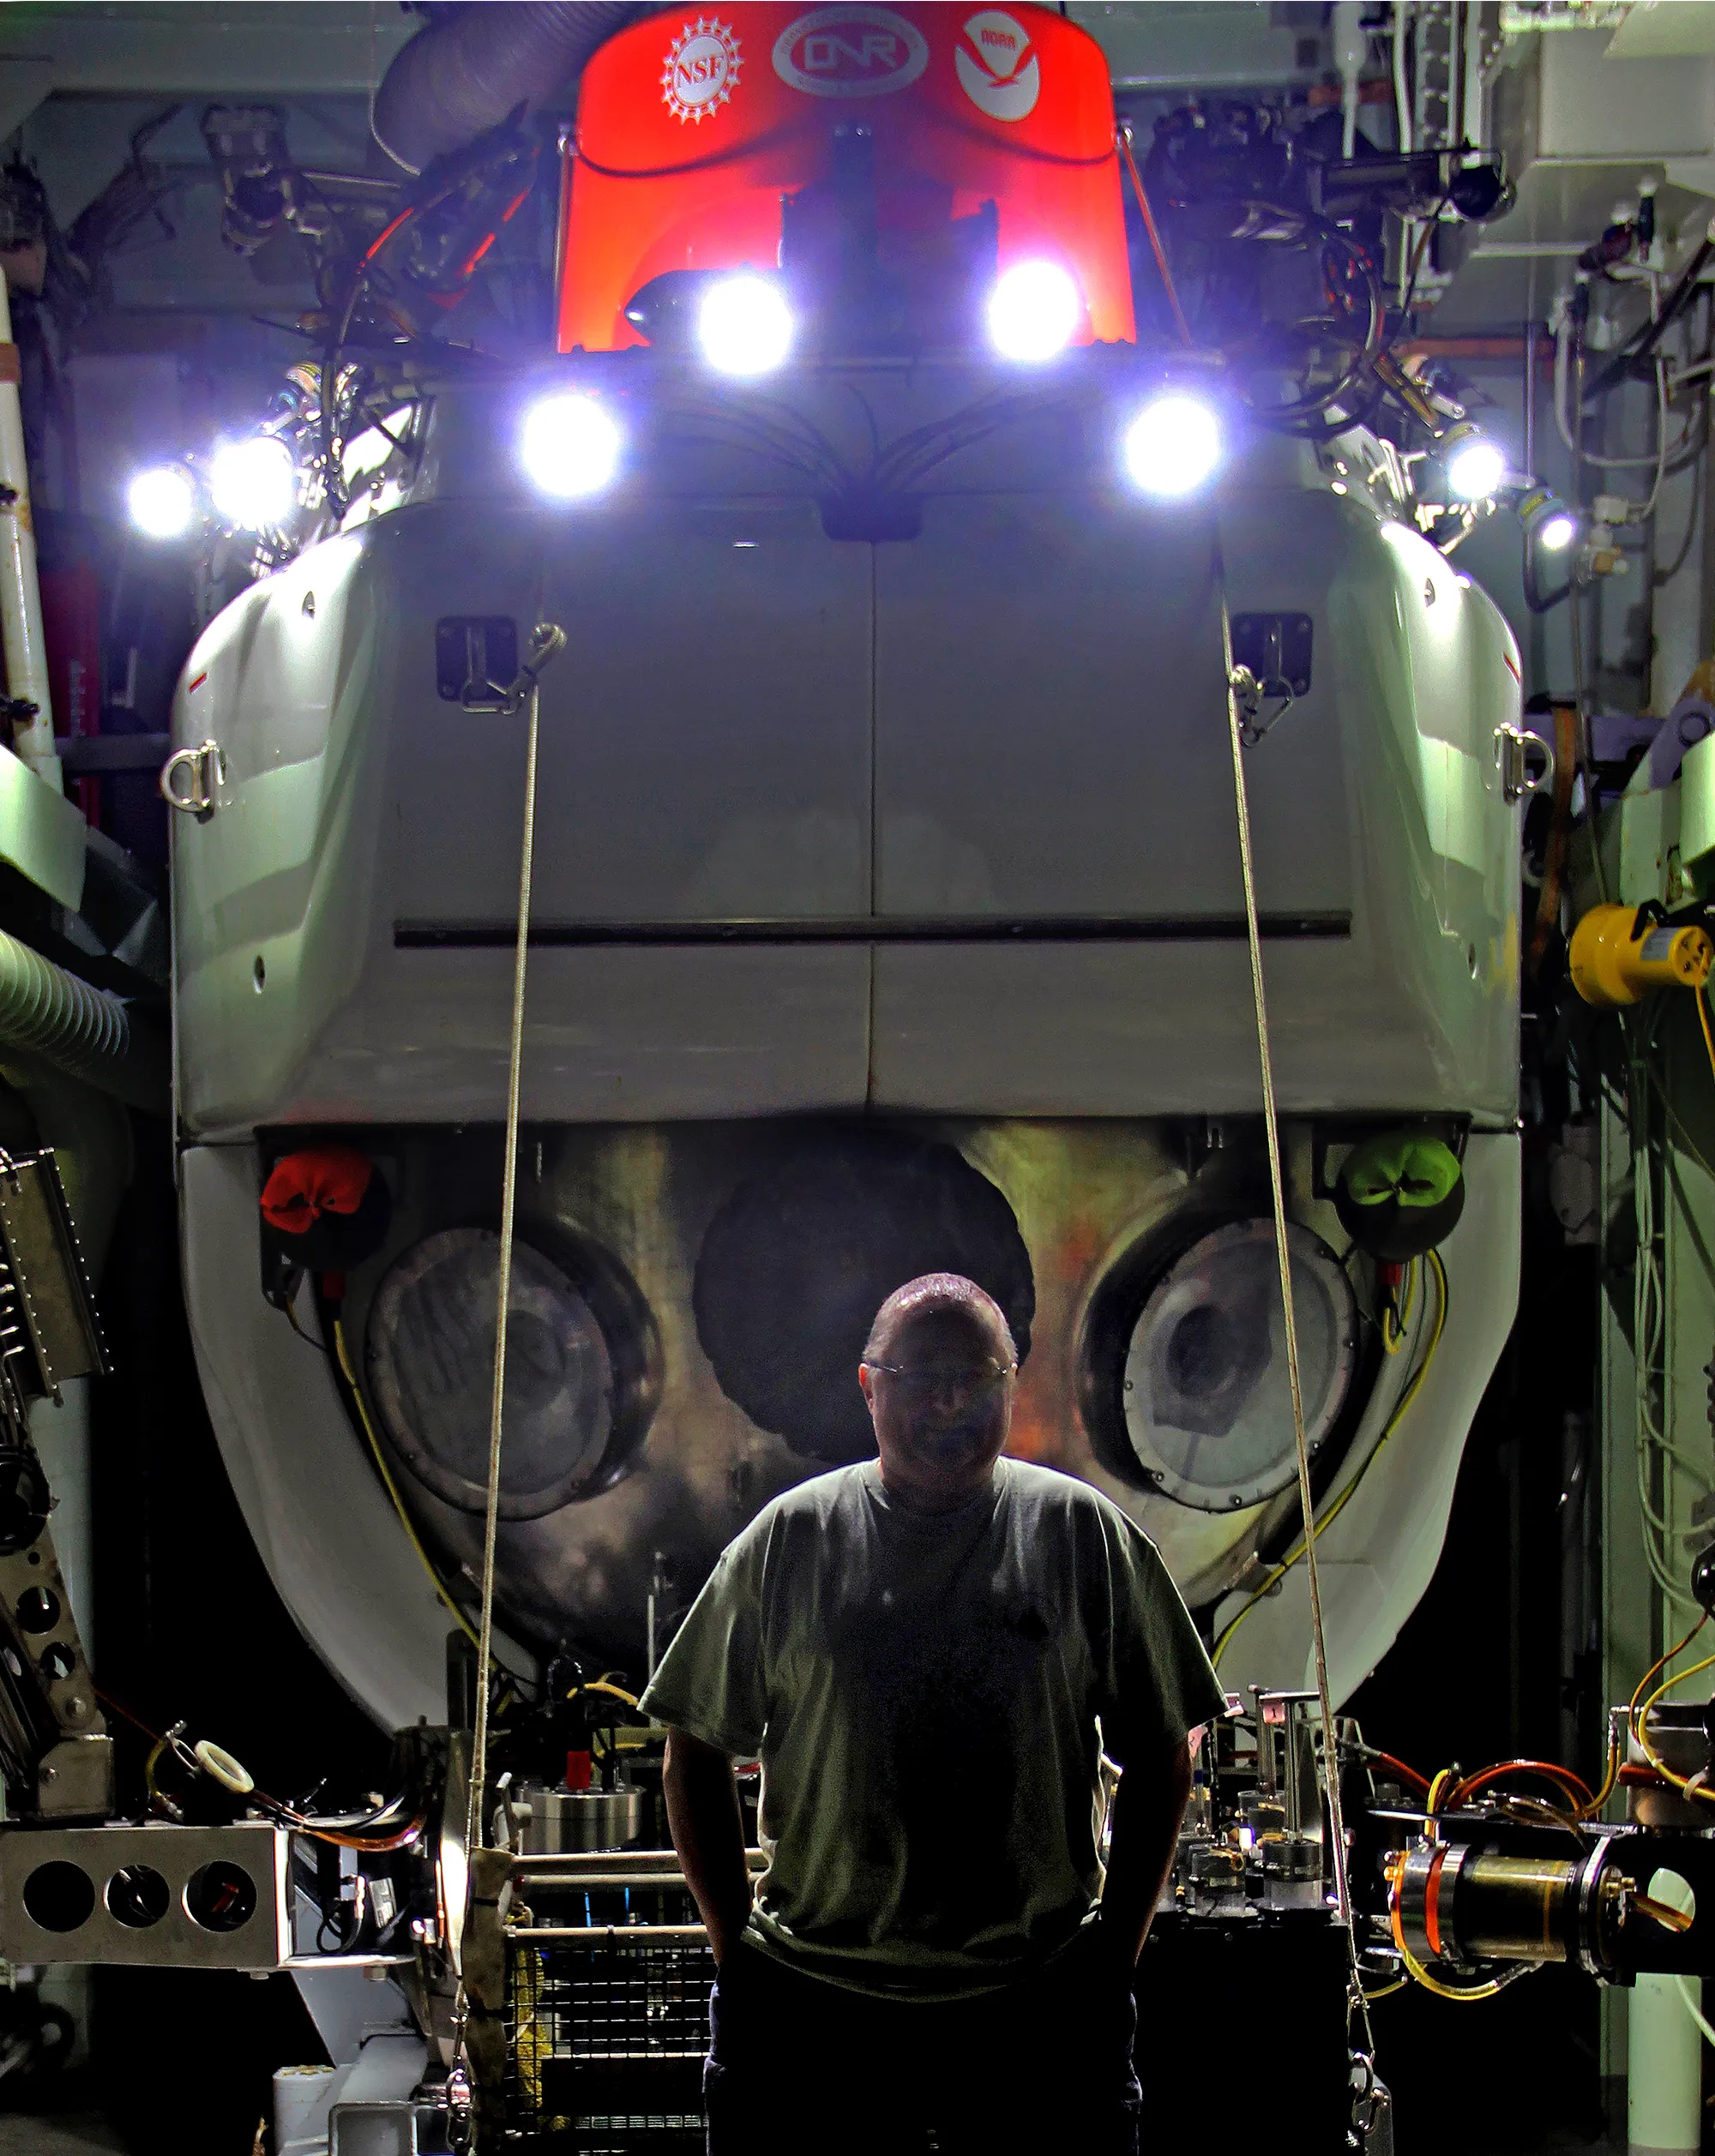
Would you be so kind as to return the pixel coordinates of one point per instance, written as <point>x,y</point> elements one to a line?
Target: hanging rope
<point>1147,212</point>
<point>524,695</point>
<point>1238,681</point>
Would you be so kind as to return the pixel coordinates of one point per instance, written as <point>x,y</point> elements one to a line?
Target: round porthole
<point>220,1897</point>
<point>138,1897</point>
<point>59,1896</point>
<point>573,1382</point>
<point>1206,1404</point>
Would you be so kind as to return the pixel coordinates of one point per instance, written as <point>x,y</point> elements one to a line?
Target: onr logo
<point>850,53</point>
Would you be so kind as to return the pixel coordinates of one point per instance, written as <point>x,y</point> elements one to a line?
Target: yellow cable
<point>1640,1716</point>
<point>1450,1991</point>
<point>1660,1663</point>
<point>149,1783</point>
<point>1708,1037</point>
<point>1413,1387</point>
<point>1396,1313</point>
<point>601,1685</point>
<point>1678,1647</point>
<point>1593,1809</point>
<point>1408,1296</point>
<point>458,1615</point>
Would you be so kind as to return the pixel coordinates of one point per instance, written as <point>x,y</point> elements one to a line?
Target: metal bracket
<point>1248,694</point>
<point>204,768</point>
<point>1514,752</point>
<point>547,641</point>
<point>148,1896</point>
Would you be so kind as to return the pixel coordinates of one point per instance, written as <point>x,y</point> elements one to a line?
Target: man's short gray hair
<point>929,1294</point>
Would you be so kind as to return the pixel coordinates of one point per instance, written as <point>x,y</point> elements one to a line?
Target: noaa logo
<point>997,65</point>
<point>850,53</point>
<point>702,67</point>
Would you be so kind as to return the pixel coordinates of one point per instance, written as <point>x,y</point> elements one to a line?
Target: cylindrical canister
<point>302,2095</point>
<point>1618,956</point>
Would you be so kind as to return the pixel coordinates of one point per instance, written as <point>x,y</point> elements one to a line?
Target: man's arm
<point>709,1832</point>
<point>1148,1805</point>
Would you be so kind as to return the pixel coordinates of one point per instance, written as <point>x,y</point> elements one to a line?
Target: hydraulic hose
<point>78,1028</point>
<point>459,78</point>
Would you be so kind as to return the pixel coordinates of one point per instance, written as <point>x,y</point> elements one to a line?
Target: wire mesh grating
<point>606,2043</point>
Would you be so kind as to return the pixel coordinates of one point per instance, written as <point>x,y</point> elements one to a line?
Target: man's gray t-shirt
<point>924,1690</point>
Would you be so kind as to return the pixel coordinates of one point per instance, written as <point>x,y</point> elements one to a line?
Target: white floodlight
<point>1033,310</point>
<point>568,446</point>
<point>744,325</point>
<point>1173,446</point>
<point>253,483</point>
<point>161,501</point>
<point>1475,469</point>
<point>1557,531</point>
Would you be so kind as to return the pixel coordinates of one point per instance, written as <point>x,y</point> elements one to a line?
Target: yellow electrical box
<point>1620,955</point>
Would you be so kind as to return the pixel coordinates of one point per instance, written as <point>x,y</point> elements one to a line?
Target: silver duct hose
<point>82,1030</point>
<point>457,79</point>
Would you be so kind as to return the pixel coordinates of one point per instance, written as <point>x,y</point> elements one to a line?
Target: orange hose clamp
<point>695,131</point>
<point>1620,954</point>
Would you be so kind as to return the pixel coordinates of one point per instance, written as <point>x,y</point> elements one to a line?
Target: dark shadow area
<point>1501,1660</point>
<point>190,1626</point>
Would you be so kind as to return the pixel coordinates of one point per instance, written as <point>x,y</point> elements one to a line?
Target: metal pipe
<point>1472,131</point>
<point>583,1881</point>
<point>578,1863</point>
<point>1530,396</point>
<point>1664,2070</point>
<point>460,76</point>
<point>21,597</point>
<point>1402,94</point>
<point>606,1931</point>
<point>80,1030</point>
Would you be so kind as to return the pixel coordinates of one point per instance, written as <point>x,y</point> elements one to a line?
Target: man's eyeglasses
<point>964,1384</point>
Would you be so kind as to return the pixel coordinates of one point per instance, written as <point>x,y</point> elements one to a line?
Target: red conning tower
<point>748,136</point>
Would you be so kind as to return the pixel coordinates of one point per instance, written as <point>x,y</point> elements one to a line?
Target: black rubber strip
<point>1064,928</point>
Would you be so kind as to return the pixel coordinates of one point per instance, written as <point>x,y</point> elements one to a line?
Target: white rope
<point>526,693</point>
<point>1236,719</point>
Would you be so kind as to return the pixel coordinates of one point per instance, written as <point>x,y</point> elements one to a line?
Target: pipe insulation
<point>459,78</point>
<point>24,646</point>
<point>82,1030</point>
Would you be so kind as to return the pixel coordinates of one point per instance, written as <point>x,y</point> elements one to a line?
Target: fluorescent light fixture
<point>161,501</point>
<point>1173,446</point>
<point>1033,311</point>
<point>253,483</point>
<point>1475,469</point>
<point>744,325</point>
<point>568,445</point>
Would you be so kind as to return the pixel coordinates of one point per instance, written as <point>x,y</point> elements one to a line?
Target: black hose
<point>457,79</point>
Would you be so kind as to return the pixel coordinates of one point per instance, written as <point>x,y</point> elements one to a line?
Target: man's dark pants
<point>798,2064</point>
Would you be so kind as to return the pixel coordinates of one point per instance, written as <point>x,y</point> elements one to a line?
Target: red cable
<point>1400,1768</point>
<point>387,231</point>
<point>1575,1785</point>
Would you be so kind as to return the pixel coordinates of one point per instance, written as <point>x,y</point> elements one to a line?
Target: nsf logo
<point>702,67</point>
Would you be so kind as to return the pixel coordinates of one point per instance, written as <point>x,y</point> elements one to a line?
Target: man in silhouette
<point>929,1653</point>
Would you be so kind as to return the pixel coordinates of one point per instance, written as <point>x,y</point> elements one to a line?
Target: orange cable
<point>1149,227</point>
